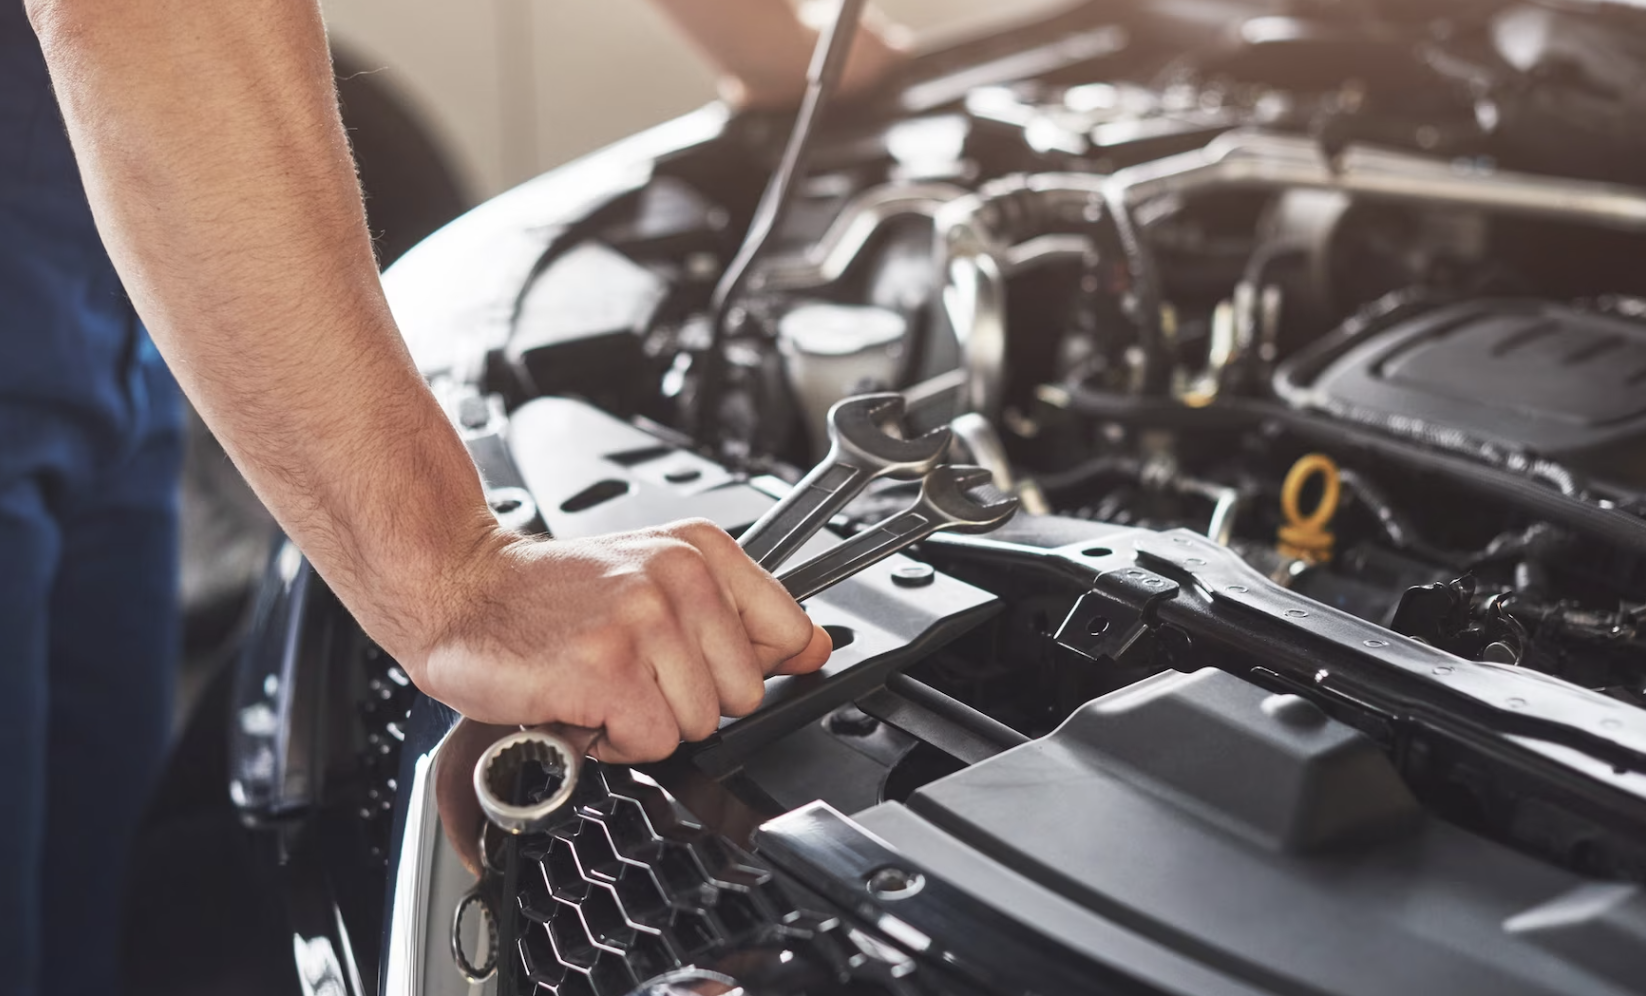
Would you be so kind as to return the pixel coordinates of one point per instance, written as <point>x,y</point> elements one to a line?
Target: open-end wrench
<point>943,505</point>
<point>859,452</point>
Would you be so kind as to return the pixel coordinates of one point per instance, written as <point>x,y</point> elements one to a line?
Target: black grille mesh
<point>628,886</point>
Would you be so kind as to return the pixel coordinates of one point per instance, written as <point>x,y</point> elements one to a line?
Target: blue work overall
<point>90,453</point>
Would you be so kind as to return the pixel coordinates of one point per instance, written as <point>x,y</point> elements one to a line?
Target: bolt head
<point>915,575</point>
<point>892,883</point>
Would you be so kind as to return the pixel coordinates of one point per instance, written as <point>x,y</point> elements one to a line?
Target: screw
<point>850,721</point>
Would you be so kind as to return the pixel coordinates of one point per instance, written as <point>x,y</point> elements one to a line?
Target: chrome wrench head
<point>859,452</point>
<point>856,435</point>
<point>944,504</point>
<point>947,491</point>
<point>545,764</point>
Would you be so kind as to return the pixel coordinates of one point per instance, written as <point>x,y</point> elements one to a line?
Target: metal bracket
<point>1115,621</point>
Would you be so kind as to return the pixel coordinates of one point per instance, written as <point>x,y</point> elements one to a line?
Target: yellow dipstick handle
<point>1306,537</point>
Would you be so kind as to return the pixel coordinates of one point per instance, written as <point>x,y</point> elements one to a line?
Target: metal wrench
<point>859,452</point>
<point>943,505</point>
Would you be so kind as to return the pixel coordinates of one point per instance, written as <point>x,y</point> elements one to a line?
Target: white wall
<point>515,87</point>
<point>442,56</point>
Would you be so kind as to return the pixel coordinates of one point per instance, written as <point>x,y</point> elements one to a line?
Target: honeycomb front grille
<point>627,887</point>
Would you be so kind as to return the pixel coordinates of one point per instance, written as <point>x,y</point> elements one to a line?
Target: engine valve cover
<point>1532,376</point>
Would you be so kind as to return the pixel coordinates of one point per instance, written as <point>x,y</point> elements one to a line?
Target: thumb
<point>812,658</point>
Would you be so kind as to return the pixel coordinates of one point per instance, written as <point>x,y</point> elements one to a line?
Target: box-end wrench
<point>860,451</point>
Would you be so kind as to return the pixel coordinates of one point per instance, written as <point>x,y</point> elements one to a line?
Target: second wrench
<point>859,452</point>
<point>943,505</point>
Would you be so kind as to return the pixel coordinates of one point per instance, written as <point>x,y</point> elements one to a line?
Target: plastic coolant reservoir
<point>832,351</point>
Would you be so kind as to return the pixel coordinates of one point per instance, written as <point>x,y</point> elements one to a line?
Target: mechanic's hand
<point>651,636</point>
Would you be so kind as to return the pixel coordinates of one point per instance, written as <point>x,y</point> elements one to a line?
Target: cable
<point>823,77</point>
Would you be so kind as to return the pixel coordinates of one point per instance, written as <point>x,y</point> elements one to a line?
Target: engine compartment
<point>1145,300</point>
<point>1229,784</point>
<point>1315,348</point>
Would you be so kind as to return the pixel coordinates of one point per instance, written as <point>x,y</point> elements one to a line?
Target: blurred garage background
<point>449,102</point>
<point>514,87</point>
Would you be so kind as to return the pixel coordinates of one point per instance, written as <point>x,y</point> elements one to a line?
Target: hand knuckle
<point>683,565</point>
<point>678,551</point>
<point>744,696</point>
<point>698,529</point>
<point>701,726</point>
<point>642,603</point>
<point>659,740</point>
<point>599,645</point>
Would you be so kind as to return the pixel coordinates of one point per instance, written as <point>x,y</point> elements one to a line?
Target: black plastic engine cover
<point>1198,815</point>
<point>578,327</point>
<point>1525,375</point>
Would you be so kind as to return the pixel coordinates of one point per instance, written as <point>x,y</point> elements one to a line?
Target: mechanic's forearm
<point>217,168</point>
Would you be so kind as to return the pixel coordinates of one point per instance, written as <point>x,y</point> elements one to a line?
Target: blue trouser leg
<point>89,449</point>
<point>113,640</point>
<point>29,544</point>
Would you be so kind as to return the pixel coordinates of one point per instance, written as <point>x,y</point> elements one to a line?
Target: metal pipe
<point>974,300</point>
<point>982,227</point>
<point>984,447</point>
<point>828,259</point>
<point>1225,503</point>
<point>1264,160</point>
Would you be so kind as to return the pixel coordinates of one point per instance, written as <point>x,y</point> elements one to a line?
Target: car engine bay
<point>1314,346</point>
